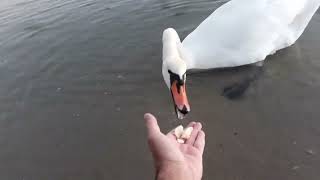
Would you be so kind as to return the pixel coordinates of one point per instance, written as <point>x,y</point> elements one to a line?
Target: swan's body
<point>246,31</point>
<point>238,33</point>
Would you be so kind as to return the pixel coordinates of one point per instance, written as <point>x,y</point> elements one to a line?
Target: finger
<point>191,124</point>
<point>152,125</point>
<point>200,141</point>
<point>196,128</point>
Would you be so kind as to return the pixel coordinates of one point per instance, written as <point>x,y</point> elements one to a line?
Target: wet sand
<point>77,76</point>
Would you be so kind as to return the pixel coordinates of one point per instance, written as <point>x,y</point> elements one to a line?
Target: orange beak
<point>180,99</point>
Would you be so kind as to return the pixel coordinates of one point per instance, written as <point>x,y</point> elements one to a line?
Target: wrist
<point>174,171</point>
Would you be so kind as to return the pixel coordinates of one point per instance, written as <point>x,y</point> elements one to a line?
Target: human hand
<point>175,161</point>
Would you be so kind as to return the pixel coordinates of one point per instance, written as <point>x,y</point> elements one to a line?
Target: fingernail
<point>198,125</point>
<point>147,116</point>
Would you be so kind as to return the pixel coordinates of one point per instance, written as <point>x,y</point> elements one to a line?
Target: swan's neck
<point>173,49</point>
<point>170,41</point>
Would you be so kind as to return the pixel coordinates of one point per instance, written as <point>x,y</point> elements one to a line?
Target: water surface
<point>76,77</point>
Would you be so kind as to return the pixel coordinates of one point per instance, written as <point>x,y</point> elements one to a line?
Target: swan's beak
<point>180,99</point>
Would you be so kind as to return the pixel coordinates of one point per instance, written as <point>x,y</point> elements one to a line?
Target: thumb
<point>152,125</point>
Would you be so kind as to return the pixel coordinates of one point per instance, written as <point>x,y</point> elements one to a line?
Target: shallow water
<point>76,77</point>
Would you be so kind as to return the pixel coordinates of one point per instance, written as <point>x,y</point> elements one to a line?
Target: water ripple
<point>173,5</point>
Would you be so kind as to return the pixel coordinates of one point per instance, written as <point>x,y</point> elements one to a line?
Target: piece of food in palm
<point>181,141</point>
<point>182,134</point>
<point>186,133</point>
<point>178,131</point>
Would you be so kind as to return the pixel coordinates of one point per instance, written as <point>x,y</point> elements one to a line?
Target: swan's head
<point>174,74</point>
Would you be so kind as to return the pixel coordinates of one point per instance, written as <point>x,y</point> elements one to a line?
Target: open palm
<point>170,155</point>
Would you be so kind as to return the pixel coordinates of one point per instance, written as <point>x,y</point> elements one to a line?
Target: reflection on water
<point>76,77</point>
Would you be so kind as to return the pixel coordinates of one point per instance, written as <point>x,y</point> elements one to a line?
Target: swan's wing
<point>243,32</point>
<point>284,11</point>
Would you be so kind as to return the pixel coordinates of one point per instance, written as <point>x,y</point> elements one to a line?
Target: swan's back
<point>246,31</point>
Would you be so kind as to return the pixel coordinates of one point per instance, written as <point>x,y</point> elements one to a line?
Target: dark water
<point>76,77</point>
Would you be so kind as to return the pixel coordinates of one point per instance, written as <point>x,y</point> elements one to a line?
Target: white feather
<point>245,31</point>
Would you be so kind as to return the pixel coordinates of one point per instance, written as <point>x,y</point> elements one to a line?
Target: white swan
<point>240,32</point>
